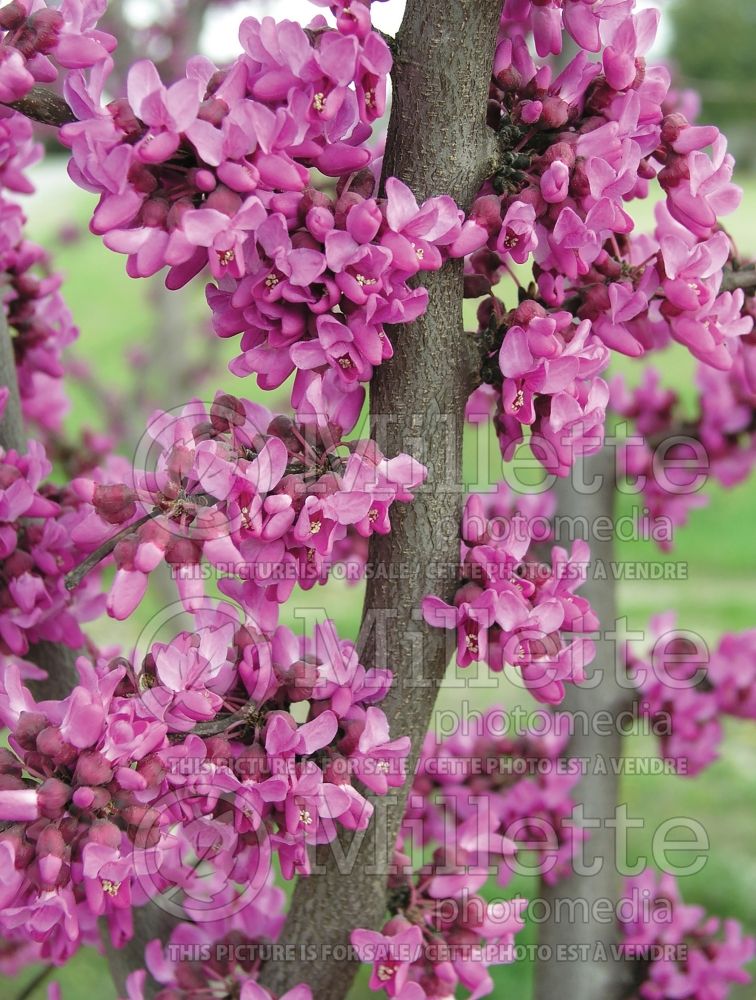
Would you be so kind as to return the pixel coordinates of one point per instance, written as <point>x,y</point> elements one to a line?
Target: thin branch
<point>74,578</point>
<point>223,724</point>
<point>44,106</point>
<point>31,988</point>
<point>743,277</point>
<point>12,431</point>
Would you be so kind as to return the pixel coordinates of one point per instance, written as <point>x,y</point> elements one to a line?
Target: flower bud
<point>53,797</point>
<point>40,33</point>
<point>252,763</point>
<point>219,750</point>
<point>227,411</point>
<point>213,110</point>
<point>12,16</point>
<point>9,762</point>
<point>224,200</point>
<point>527,311</point>
<point>50,841</point>
<point>29,726</point>
<point>143,825</point>
<point>106,833</point>
<point>320,222</point>
<point>555,112</point>
<point>337,771</point>
<point>152,769</point>
<point>93,769</point>
<point>50,743</point>
<point>114,504</point>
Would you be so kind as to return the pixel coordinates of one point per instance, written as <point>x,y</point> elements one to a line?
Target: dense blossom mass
<point>512,607</point>
<point>190,769</point>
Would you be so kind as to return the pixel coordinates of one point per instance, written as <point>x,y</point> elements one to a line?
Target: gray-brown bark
<point>438,143</point>
<point>12,432</point>
<point>590,978</point>
<point>45,106</point>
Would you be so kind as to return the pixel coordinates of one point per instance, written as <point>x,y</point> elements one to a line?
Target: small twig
<point>44,106</point>
<point>30,989</point>
<point>744,278</point>
<point>223,724</point>
<point>74,578</point>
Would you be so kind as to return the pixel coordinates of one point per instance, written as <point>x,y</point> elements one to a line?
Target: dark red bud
<point>555,112</point>
<point>115,504</point>
<point>50,743</point>
<point>40,33</point>
<point>124,118</point>
<point>337,771</point>
<point>12,16</point>
<point>104,832</point>
<point>252,763</point>
<point>527,311</point>
<point>53,798</point>
<point>9,762</point>
<point>219,750</point>
<point>227,411</point>
<point>213,110</point>
<point>151,768</point>
<point>30,725</point>
<point>51,841</point>
<point>224,200</point>
<point>93,769</point>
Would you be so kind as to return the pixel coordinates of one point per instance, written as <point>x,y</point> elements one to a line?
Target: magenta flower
<point>167,112</point>
<point>517,236</point>
<point>224,237</point>
<point>390,954</point>
<point>380,761</point>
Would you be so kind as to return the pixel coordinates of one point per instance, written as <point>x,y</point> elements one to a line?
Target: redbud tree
<point>340,195</point>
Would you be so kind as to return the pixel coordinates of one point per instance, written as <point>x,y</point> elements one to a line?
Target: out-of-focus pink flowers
<point>264,499</point>
<point>678,949</point>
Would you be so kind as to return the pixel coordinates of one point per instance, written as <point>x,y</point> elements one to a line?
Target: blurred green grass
<point>718,546</point>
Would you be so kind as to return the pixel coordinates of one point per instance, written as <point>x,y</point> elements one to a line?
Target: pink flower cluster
<point>229,952</point>
<point>512,607</point>
<point>677,950</point>
<point>503,782</point>
<point>684,689</point>
<point>581,146</point>
<point>216,170</point>
<point>180,773</point>
<point>262,499</point>
<point>451,939</point>
<point>541,371</point>
<point>36,522</point>
<point>34,37</point>
<point>34,309</point>
<point>322,280</point>
<point>478,798</point>
<point>672,459</point>
<point>192,752</point>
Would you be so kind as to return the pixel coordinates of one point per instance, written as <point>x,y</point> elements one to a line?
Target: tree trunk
<point>12,432</point>
<point>591,972</point>
<point>438,143</point>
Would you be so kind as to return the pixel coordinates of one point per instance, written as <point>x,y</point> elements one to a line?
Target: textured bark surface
<point>12,433</point>
<point>44,106</point>
<point>438,143</point>
<point>590,979</point>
